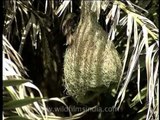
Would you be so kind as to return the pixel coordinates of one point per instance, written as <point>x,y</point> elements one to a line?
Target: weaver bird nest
<point>91,63</point>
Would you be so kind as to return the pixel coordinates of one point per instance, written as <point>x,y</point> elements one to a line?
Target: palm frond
<point>26,105</point>
<point>140,54</point>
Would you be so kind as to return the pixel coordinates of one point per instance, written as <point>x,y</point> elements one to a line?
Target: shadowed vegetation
<point>36,36</point>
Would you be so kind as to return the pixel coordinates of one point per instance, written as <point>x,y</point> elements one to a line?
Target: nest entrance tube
<point>91,64</point>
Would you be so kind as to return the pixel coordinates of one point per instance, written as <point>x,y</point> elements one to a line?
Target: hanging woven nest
<point>91,63</point>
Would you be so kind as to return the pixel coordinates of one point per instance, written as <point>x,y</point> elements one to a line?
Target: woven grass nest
<point>91,64</point>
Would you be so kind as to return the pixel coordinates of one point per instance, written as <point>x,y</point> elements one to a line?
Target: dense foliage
<point>36,34</point>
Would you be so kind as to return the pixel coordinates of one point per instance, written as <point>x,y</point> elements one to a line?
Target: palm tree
<point>38,31</point>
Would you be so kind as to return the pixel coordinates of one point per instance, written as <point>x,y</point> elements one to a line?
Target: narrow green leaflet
<point>136,98</point>
<point>14,82</point>
<point>19,103</point>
